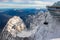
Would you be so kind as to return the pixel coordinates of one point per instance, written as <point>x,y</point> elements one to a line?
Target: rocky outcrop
<point>14,25</point>
<point>42,26</point>
<point>56,3</point>
<point>15,29</point>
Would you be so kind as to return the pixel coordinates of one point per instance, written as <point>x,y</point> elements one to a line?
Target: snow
<point>56,39</point>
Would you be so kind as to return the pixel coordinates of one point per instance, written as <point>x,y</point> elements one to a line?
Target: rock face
<point>15,29</point>
<point>42,26</point>
<point>57,3</point>
<point>14,25</point>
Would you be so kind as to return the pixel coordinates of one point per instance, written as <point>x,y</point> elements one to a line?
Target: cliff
<point>13,26</point>
<point>42,26</point>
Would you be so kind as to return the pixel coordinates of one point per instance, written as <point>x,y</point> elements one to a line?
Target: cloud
<point>29,4</point>
<point>17,0</point>
<point>4,1</point>
<point>41,2</point>
<point>50,0</point>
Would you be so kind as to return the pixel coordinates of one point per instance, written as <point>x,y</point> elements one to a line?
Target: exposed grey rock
<point>37,29</point>
<point>56,3</point>
<point>14,25</point>
<point>12,32</point>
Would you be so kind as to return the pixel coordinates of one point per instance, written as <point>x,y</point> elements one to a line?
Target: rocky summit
<point>42,26</point>
<point>16,29</point>
<point>13,26</point>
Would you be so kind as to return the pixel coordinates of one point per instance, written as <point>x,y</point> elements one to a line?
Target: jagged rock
<point>56,3</point>
<point>14,25</point>
<point>37,29</point>
<point>15,31</point>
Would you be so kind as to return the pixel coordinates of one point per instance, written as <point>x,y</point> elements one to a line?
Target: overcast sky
<point>30,0</point>
<point>27,3</point>
<point>50,0</point>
